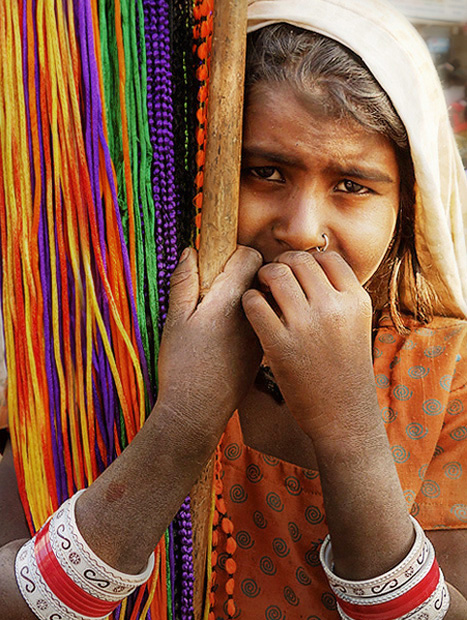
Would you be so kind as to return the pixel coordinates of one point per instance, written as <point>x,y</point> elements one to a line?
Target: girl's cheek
<point>251,221</point>
<point>364,249</point>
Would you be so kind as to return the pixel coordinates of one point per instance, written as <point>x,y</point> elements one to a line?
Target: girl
<point>351,267</point>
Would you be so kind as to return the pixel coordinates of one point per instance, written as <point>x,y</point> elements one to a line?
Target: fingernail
<point>184,255</point>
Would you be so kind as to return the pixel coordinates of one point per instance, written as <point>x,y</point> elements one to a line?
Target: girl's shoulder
<point>427,359</point>
<point>438,325</point>
<point>437,349</point>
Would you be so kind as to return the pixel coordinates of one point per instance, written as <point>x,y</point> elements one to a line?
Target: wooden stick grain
<point>219,212</point>
<point>224,139</point>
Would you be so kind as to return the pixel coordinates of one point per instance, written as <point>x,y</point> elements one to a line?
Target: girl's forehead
<point>307,108</point>
<point>282,121</point>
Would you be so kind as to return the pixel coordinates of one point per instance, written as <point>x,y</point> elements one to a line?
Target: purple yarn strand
<point>93,121</point>
<point>161,120</point>
<point>57,433</point>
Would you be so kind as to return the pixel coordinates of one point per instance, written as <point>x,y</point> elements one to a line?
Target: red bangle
<point>399,606</point>
<point>62,586</point>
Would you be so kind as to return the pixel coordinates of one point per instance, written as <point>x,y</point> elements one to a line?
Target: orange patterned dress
<point>277,508</point>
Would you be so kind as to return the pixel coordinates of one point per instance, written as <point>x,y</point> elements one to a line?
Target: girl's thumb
<point>184,286</point>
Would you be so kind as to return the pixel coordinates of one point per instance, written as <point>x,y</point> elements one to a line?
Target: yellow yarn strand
<point>154,582</point>
<point>209,553</point>
<point>13,123</point>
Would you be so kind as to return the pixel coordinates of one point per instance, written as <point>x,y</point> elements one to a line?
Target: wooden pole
<point>224,139</point>
<point>220,210</point>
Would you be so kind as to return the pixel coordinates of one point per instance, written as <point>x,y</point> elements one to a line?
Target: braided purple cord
<point>153,41</point>
<point>168,185</point>
<point>185,531</point>
<point>161,122</point>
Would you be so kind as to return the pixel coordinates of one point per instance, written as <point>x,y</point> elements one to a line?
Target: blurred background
<point>443,26</point>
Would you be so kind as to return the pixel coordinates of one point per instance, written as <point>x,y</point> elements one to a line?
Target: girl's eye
<point>267,173</point>
<point>350,187</point>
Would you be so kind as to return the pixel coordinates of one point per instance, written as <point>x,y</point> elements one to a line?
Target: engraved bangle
<point>59,576</point>
<point>83,565</point>
<point>414,589</point>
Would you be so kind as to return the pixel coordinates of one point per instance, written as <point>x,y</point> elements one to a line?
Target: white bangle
<point>81,563</point>
<point>415,586</point>
<point>60,577</point>
<point>435,608</point>
<point>37,594</point>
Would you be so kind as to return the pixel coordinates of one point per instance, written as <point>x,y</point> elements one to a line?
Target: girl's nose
<point>301,226</point>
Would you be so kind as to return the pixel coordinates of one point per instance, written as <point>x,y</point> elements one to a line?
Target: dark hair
<point>317,66</point>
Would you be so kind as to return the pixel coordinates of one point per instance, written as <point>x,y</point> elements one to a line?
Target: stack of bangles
<point>60,577</point>
<point>413,590</point>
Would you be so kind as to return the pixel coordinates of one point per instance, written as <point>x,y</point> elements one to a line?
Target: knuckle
<point>297,258</point>
<point>250,298</point>
<point>250,255</point>
<point>333,307</point>
<point>273,341</point>
<point>178,277</point>
<point>336,316</point>
<point>364,304</point>
<point>275,271</point>
<point>333,257</point>
<point>232,306</point>
<point>332,254</point>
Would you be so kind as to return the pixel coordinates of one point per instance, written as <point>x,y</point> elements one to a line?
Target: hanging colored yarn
<point>90,223</point>
<point>70,331</point>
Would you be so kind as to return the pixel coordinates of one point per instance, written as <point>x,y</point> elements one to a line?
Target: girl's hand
<point>209,353</point>
<point>318,343</point>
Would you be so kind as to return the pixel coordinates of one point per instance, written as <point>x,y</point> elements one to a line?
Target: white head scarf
<point>399,60</point>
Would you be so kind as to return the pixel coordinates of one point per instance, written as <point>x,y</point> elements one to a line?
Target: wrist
<point>359,480</point>
<point>335,416</point>
<point>58,574</point>
<point>194,431</point>
<point>355,434</point>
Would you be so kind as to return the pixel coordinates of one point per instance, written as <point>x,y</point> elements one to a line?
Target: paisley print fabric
<point>277,508</point>
<point>424,409</point>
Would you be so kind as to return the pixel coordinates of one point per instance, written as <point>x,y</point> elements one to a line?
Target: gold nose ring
<point>323,248</point>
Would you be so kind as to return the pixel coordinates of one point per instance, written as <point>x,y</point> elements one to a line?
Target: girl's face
<point>305,174</point>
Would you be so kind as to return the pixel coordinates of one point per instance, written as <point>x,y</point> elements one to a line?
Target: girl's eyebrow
<point>362,172</point>
<point>270,155</point>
